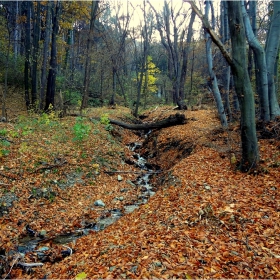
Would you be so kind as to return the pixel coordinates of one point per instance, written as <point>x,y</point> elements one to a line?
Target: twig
<point>17,257</point>
<point>269,251</point>
<point>49,166</point>
<point>5,139</point>
<point>13,177</point>
<point>153,110</point>
<point>3,184</point>
<point>249,248</point>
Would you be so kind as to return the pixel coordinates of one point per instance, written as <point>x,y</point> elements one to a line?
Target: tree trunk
<point>27,52</point>
<point>192,70</point>
<point>69,50</point>
<point>5,92</point>
<point>171,46</point>
<point>250,152</point>
<point>252,12</point>
<point>261,70</point>
<point>271,50</point>
<point>45,56</point>
<point>276,73</point>
<point>114,87</point>
<point>140,79</point>
<point>122,89</point>
<point>117,53</point>
<point>226,71</point>
<point>214,83</point>
<point>53,61</point>
<point>172,120</point>
<point>145,89</point>
<point>143,60</point>
<point>186,51</point>
<point>36,35</point>
<point>94,9</point>
<point>16,32</point>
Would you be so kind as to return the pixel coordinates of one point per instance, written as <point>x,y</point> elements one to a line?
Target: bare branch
<point>211,32</point>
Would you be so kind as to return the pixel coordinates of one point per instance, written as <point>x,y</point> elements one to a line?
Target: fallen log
<point>172,120</point>
<point>29,264</point>
<point>132,172</point>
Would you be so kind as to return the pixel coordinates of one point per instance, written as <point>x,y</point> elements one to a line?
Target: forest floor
<point>206,219</point>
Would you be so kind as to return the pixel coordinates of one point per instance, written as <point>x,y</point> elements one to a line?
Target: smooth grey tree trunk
<point>185,55</point>
<point>250,152</point>
<point>276,74</point>
<point>16,32</point>
<point>226,71</point>
<point>252,13</point>
<point>214,83</point>
<point>272,50</point>
<point>261,69</point>
<point>191,72</point>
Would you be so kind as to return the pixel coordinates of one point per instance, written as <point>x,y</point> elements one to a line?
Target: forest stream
<point>31,242</point>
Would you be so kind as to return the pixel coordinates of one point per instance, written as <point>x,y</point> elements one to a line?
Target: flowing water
<point>30,243</point>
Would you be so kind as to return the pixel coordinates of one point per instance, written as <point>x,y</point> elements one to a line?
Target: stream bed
<point>31,243</point>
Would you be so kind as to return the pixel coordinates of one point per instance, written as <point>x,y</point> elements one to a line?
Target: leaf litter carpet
<point>206,220</point>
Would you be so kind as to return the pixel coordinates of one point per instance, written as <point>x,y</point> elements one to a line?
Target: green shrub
<point>4,144</point>
<point>104,119</point>
<point>81,130</point>
<point>3,132</point>
<point>72,97</point>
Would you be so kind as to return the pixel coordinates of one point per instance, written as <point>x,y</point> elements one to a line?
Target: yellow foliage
<point>232,159</point>
<point>152,71</point>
